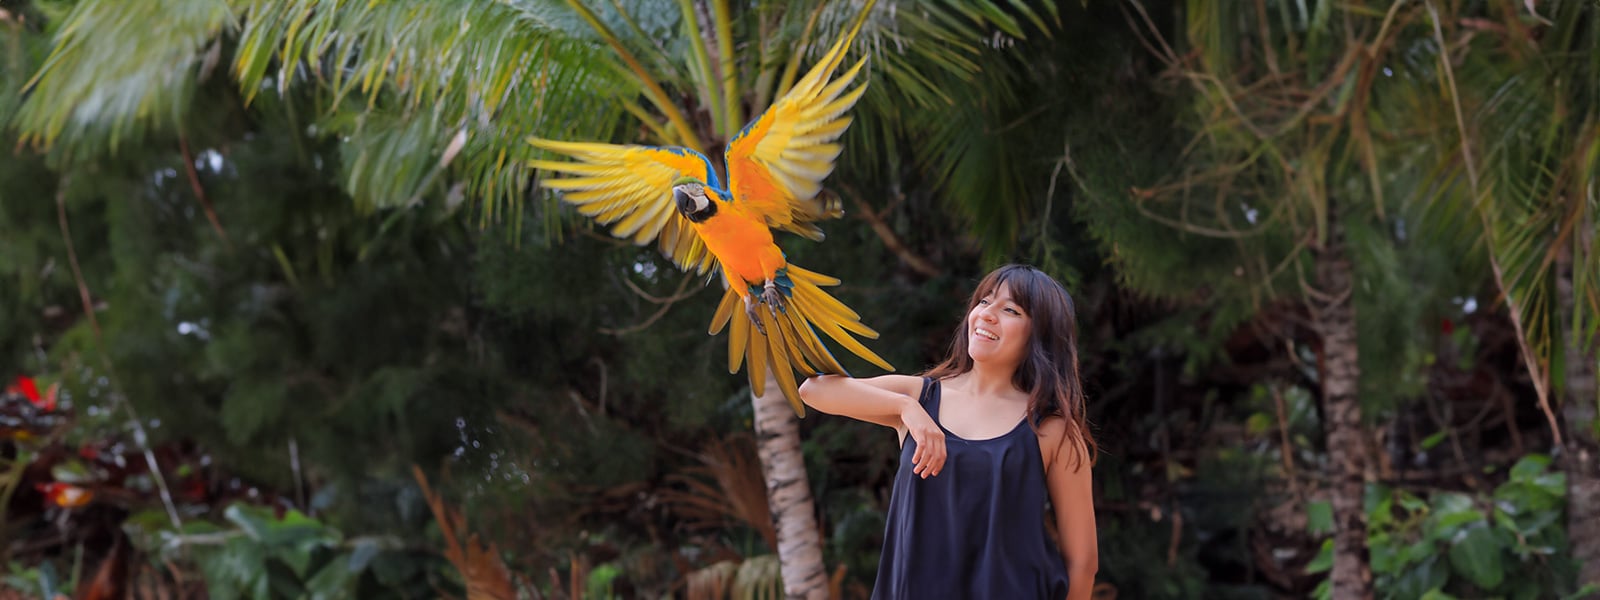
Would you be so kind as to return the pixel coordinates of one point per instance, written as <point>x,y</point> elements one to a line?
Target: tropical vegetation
<point>285,312</point>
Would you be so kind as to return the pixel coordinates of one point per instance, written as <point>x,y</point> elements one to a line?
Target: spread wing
<point>790,343</point>
<point>630,188</point>
<point>777,163</point>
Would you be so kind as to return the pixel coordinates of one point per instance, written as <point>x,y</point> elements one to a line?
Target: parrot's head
<point>692,199</point>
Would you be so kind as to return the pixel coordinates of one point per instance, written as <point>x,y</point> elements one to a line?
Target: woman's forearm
<point>855,398</point>
<point>1081,581</point>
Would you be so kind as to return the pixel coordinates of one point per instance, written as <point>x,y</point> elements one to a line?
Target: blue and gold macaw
<point>775,167</point>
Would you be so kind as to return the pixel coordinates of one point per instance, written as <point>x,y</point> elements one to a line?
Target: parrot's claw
<point>773,298</point>
<point>750,308</point>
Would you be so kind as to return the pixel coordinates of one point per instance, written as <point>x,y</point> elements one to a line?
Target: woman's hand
<point>929,457</point>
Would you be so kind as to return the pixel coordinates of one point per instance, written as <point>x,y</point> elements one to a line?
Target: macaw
<point>775,167</point>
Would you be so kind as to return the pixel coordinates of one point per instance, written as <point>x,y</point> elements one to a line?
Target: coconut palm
<point>1523,99</point>
<point>1282,191</point>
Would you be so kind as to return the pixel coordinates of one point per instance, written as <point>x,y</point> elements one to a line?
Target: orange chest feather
<point>741,242</point>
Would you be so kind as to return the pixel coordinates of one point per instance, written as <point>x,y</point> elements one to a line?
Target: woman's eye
<point>1013,311</point>
<point>982,302</point>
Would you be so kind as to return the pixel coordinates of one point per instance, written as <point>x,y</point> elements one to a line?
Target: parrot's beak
<point>684,201</point>
<point>693,203</point>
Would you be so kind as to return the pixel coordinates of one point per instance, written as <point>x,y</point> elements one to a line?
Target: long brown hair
<point>1049,373</point>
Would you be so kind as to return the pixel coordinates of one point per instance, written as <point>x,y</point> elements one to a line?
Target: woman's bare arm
<point>1072,494</point>
<point>878,399</point>
<point>888,400</point>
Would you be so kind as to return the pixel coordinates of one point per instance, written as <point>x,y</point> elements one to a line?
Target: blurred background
<point>284,313</point>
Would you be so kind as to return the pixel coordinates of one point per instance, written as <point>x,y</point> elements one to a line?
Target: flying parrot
<point>775,167</point>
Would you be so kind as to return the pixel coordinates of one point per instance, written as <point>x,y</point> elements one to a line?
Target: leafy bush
<point>1510,544</point>
<point>266,556</point>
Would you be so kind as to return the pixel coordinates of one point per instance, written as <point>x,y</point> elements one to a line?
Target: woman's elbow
<point>808,391</point>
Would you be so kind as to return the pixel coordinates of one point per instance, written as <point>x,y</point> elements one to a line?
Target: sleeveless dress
<point>975,530</point>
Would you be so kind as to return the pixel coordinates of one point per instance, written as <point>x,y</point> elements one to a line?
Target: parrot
<point>775,166</point>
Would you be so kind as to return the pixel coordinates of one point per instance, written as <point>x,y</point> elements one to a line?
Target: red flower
<point>26,387</point>
<point>64,495</point>
<point>1447,326</point>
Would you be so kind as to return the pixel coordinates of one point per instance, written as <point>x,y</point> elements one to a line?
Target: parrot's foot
<point>773,298</point>
<point>750,308</point>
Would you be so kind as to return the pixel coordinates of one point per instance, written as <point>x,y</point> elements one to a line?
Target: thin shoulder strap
<point>929,384</point>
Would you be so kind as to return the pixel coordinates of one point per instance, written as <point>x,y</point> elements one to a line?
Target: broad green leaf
<point>1427,574</point>
<point>1319,517</point>
<point>1477,556</point>
<point>1529,467</point>
<point>1324,560</point>
<point>335,580</point>
<point>1450,511</point>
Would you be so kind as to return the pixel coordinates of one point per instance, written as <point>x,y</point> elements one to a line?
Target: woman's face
<point>998,329</point>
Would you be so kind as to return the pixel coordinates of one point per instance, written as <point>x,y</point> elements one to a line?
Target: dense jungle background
<point>284,312</point>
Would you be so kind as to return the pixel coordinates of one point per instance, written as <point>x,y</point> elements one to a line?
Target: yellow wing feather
<point>777,163</point>
<point>630,189</point>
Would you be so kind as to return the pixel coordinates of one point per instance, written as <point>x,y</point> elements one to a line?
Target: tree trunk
<point>789,494</point>
<point>1334,316</point>
<point>1581,454</point>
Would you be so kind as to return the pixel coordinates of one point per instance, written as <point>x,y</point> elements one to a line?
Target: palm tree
<point>431,102</point>
<point>1523,101</point>
<point>1283,164</point>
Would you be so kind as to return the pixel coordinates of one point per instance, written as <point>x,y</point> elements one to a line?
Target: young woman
<point>996,431</point>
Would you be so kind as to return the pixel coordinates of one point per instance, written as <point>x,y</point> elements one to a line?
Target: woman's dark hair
<point>1049,373</point>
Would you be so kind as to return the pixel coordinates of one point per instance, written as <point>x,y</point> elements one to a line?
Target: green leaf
<point>1433,440</point>
<point>1588,590</point>
<point>1411,503</point>
<point>1319,517</point>
<point>236,570</point>
<point>1324,560</point>
<point>365,550</point>
<point>1437,594</point>
<point>1477,556</point>
<point>335,580</point>
<point>1385,557</point>
<point>1428,574</point>
<point>1258,423</point>
<point>292,539</point>
<point>1529,467</point>
<point>1450,512</point>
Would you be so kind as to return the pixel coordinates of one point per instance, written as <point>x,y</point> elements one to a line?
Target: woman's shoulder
<point>1057,444</point>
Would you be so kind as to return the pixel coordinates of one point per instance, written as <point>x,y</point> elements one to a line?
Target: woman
<point>996,430</point>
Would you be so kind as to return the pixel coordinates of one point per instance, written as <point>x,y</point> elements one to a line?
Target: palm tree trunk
<point>1334,316</point>
<point>789,495</point>
<point>1581,452</point>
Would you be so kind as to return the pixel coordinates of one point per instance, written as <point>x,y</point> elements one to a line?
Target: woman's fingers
<point>930,453</point>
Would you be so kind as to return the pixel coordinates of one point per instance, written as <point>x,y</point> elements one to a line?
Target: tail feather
<point>791,342</point>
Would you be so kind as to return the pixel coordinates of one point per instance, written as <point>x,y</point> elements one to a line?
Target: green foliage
<point>1511,543</point>
<point>264,556</point>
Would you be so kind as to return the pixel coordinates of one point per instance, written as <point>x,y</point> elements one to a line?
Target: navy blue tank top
<point>975,530</point>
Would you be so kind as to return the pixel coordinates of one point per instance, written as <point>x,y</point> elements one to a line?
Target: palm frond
<point>421,88</point>
<point>119,69</point>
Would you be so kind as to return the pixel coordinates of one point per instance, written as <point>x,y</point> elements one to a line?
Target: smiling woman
<point>998,439</point>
